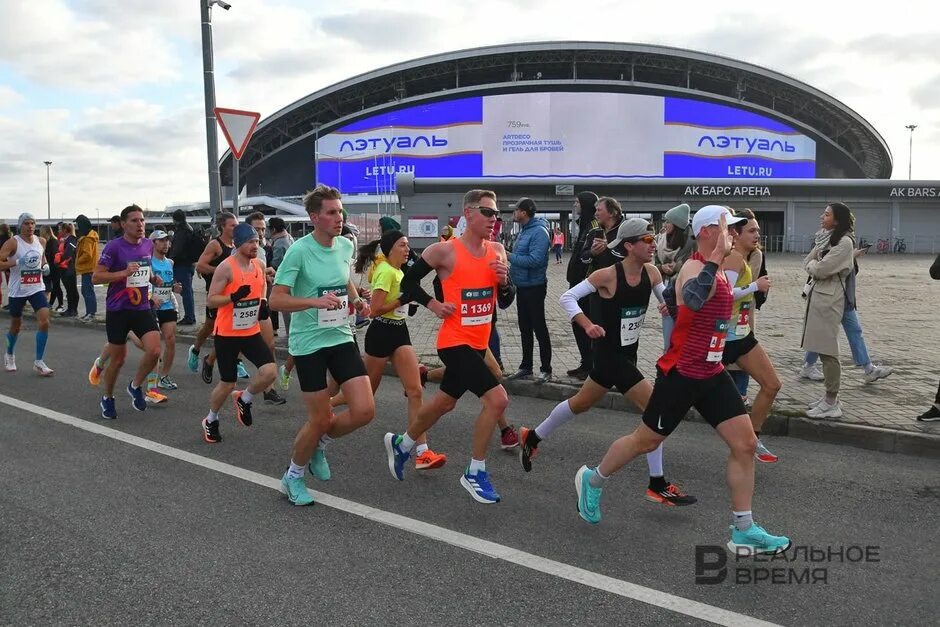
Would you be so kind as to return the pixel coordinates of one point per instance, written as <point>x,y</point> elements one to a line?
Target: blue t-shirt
<point>163,296</point>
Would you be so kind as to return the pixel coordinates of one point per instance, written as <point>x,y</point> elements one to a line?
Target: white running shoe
<point>825,410</point>
<point>877,372</point>
<point>9,362</point>
<point>42,369</point>
<point>812,372</point>
<point>816,402</point>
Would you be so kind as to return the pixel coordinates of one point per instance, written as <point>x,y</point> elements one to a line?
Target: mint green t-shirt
<point>311,270</point>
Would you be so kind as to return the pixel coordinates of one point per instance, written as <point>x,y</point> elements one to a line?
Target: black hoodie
<point>577,269</point>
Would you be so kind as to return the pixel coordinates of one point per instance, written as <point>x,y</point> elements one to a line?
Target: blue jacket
<point>528,261</point>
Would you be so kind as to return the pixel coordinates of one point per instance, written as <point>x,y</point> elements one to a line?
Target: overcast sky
<point>111,90</point>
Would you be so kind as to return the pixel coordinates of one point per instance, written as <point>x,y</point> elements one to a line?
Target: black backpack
<point>198,240</point>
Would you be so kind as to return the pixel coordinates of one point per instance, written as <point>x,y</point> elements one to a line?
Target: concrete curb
<point>830,432</point>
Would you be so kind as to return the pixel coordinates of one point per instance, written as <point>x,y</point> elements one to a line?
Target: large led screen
<point>563,135</point>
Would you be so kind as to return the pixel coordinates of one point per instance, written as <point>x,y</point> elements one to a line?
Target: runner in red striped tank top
<point>690,375</point>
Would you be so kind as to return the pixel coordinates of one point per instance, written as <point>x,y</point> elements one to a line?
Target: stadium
<point>650,125</point>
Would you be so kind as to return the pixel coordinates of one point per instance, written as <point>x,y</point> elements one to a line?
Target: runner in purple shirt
<point>125,266</point>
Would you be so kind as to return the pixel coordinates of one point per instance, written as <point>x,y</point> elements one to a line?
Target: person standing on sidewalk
<point>558,243</point>
<point>674,245</point>
<point>577,271</point>
<point>829,264</point>
<point>184,253</point>
<point>68,246</point>
<point>933,414</point>
<point>528,267</point>
<point>86,258</point>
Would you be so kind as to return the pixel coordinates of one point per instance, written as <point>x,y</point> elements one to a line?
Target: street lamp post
<point>48,194</point>
<point>910,150</point>
<point>208,78</point>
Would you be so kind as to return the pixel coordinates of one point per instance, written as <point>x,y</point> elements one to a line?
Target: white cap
<point>711,214</point>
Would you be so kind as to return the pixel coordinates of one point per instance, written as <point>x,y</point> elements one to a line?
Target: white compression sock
<point>654,459</point>
<point>295,471</point>
<point>559,416</point>
<point>406,443</point>
<point>213,416</point>
<point>421,449</point>
<point>247,396</point>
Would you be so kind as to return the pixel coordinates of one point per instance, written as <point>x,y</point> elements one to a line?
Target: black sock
<point>658,484</point>
<point>533,439</point>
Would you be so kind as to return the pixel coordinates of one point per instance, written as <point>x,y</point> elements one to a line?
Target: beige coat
<point>826,302</point>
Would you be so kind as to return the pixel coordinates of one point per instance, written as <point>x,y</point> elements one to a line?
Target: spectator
<point>829,264</point>
<point>447,232</point>
<point>576,272</point>
<point>594,251</point>
<point>184,252</point>
<point>933,414</point>
<point>4,236</point>
<point>528,265</point>
<point>558,243</point>
<point>65,259</point>
<point>116,229</point>
<point>673,246</point>
<point>53,284</point>
<point>86,258</point>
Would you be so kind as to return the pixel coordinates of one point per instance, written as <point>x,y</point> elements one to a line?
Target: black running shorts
<point>385,336</point>
<point>738,348</point>
<point>716,398</point>
<point>341,361</point>
<point>119,323</point>
<point>227,350</point>
<point>612,370</point>
<point>166,315</point>
<point>465,369</point>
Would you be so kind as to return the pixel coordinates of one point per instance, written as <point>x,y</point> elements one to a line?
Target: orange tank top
<point>241,319</point>
<point>472,288</point>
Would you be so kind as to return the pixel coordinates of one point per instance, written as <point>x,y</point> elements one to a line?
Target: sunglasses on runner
<point>487,212</point>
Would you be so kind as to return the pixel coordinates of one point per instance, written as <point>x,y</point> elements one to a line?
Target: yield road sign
<point>237,126</point>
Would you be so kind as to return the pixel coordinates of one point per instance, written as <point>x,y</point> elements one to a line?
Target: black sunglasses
<point>487,212</point>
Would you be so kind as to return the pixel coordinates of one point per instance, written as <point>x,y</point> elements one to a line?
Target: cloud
<point>927,94</point>
<point>9,97</point>
<point>897,47</point>
<point>383,29</point>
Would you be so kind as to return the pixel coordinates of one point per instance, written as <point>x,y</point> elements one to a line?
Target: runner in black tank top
<point>619,309</point>
<point>222,256</point>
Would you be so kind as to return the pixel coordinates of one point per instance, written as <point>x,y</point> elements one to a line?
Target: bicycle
<point>899,246</point>
<point>883,246</point>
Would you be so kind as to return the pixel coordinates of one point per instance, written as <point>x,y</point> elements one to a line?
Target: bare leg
<point>494,402</point>
<point>757,364</point>
<point>117,354</point>
<point>360,407</point>
<point>319,415</point>
<point>405,362</point>
<point>623,451</point>
<point>151,343</point>
<point>739,436</point>
<point>169,347</point>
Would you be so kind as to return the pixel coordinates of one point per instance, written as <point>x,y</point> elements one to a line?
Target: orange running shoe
<point>154,398</point>
<point>670,496</point>
<point>94,375</point>
<point>429,460</point>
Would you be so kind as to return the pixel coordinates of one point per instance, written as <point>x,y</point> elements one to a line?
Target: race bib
<point>140,278</point>
<point>476,306</point>
<point>743,325</point>
<point>245,313</point>
<point>334,317</point>
<point>631,320</point>
<point>162,294</point>
<point>30,277</point>
<point>716,346</point>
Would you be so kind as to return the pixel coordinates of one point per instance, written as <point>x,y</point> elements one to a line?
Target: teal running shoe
<point>318,466</point>
<point>284,378</point>
<point>756,541</point>
<point>240,367</point>
<point>589,498</point>
<point>192,359</point>
<point>296,490</point>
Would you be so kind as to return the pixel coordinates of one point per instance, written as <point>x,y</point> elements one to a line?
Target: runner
<point>217,251</point>
<point>256,220</point>
<point>690,374</point>
<point>313,283</point>
<point>472,270</point>
<point>125,265</point>
<point>166,310</point>
<point>238,294</point>
<point>152,395</point>
<point>387,338</point>
<point>741,346</point>
<point>619,296</point>
<point>22,255</point>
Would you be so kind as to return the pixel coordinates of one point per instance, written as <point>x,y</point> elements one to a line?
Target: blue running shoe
<point>192,359</point>
<point>589,497</point>
<point>479,487</point>
<point>240,367</point>
<point>107,408</point>
<point>296,490</point>
<point>137,394</point>
<point>319,467</point>
<point>396,457</point>
<point>755,541</point>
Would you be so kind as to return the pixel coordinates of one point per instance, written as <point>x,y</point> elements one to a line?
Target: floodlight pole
<point>910,150</point>
<point>212,138</point>
<point>48,192</point>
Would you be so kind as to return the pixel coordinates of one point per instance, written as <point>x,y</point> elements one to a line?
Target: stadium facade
<point>650,125</point>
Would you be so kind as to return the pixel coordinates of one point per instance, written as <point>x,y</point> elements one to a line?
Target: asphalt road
<point>99,531</point>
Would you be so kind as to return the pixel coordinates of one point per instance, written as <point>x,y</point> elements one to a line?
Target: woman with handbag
<point>829,264</point>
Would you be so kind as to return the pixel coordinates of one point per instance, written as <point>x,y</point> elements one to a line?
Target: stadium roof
<point>568,65</point>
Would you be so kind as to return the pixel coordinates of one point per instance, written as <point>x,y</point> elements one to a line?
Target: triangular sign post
<point>237,126</point>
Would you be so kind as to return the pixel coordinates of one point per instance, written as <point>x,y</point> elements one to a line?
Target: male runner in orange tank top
<point>238,292</point>
<point>473,272</point>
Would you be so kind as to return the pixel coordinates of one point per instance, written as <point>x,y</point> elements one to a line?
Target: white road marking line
<point>622,588</point>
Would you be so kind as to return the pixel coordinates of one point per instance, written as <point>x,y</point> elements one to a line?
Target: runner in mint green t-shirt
<point>313,284</point>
